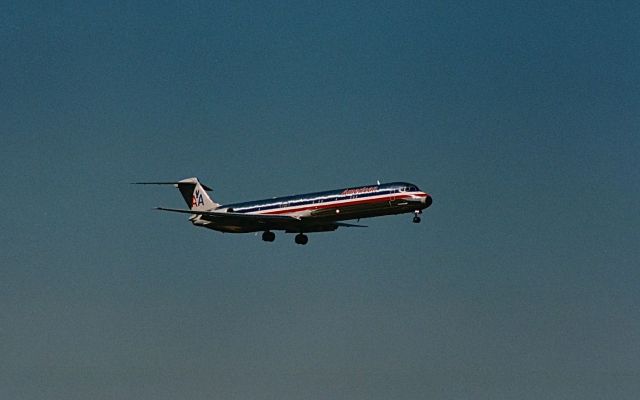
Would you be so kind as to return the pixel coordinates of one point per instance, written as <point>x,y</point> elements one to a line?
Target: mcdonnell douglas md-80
<point>302,213</point>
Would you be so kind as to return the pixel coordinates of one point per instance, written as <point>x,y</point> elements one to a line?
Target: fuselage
<point>299,214</point>
<point>341,204</point>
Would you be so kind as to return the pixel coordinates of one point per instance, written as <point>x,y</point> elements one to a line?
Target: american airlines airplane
<point>302,213</point>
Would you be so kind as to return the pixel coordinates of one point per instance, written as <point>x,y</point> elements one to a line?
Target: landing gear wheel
<point>301,238</point>
<point>268,236</point>
<point>416,220</point>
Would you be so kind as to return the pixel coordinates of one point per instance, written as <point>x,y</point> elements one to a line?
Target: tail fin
<point>195,194</point>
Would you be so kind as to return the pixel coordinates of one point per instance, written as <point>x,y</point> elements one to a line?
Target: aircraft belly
<point>233,228</point>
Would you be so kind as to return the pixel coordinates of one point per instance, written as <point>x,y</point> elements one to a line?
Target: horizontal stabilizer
<point>205,187</point>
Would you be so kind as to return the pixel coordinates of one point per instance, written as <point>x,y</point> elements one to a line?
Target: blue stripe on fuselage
<point>321,197</point>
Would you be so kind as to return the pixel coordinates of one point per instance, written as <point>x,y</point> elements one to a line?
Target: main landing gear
<point>301,238</point>
<point>268,236</point>
<point>416,218</point>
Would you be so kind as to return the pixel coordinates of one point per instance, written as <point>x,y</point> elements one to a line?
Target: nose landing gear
<point>416,218</point>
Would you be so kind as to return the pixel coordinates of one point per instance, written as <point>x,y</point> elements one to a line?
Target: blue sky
<point>520,119</point>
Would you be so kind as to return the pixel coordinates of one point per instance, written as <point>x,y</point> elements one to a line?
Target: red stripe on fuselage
<point>340,203</point>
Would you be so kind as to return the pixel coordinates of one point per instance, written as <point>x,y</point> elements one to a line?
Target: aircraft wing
<point>346,225</point>
<point>231,216</point>
<point>261,221</point>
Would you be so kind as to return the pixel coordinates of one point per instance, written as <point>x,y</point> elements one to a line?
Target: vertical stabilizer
<point>195,195</point>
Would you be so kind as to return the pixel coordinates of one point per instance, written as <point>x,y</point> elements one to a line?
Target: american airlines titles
<point>367,189</point>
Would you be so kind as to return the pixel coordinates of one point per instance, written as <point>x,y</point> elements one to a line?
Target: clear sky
<point>521,119</point>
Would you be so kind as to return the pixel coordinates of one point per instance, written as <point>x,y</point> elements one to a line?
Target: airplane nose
<point>427,201</point>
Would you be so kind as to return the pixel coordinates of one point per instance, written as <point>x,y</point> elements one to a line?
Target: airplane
<point>299,214</point>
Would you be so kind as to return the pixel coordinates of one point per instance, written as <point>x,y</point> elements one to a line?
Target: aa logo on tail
<point>196,199</point>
